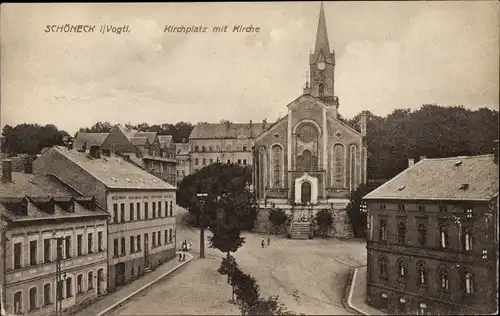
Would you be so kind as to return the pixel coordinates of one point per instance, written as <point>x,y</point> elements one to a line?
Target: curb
<point>349,298</point>
<point>345,293</point>
<point>126,298</point>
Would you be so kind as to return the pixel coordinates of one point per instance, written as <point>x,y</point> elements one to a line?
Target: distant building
<point>150,151</point>
<point>433,238</point>
<point>34,211</point>
<point>141,231</point>
<point>183,160</point>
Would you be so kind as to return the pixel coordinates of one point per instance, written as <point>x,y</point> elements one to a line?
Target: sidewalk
<point>120,296</point>
<point>357,294</point>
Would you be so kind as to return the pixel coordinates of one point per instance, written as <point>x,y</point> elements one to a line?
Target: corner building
<point>432,242</point>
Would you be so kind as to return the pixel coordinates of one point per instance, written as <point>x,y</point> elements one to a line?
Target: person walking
<point>184,257</point>
<point>268,240</point>
<point>262,242</point>
<point>180,256</point>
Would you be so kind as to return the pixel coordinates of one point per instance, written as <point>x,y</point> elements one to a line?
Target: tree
<point>324,220</point>
<point>278,219</point>
<point>356,215</point>
<point>31,138</point>
<point>99,127</point>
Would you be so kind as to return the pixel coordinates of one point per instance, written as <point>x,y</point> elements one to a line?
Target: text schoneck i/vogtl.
<point>216,29</point>
<point>72,28</point>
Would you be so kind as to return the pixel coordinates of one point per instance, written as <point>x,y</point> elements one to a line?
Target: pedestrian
<point>262,243</point>
<point>184,257</point>
<point>180,256</point>
<point>268,240</point>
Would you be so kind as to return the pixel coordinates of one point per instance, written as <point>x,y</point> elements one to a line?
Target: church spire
<point>322,43</point>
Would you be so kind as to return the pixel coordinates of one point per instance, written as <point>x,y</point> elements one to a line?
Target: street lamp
<point>201,214</point>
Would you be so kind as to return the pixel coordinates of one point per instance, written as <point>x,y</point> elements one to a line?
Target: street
<point>308,275</point>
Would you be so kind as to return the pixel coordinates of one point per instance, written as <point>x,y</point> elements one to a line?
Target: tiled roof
<point>132,133</point>
<point>33,185</point>
<point>138,141</point>
<point>165,140</point>
<point>149,135</point>
<point>456,178</point>
<point>226,130</point>
<point>90,139</point>
<point>182,148</point>
<point>115,172</point>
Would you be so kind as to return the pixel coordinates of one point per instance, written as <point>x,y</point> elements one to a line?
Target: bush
<point>278,219</point>
<point>324,220</point>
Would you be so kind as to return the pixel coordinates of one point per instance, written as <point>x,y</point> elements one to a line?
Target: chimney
<point>7,170</point>
<point>264,123</point>
<point>28,165</point>
<point>95,152</point>
<point>411,162</point>
<point>495,151</point>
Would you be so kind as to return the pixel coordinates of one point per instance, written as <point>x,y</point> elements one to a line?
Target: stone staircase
<point>300,230</point>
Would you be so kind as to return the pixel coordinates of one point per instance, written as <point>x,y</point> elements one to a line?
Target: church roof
<point>227,130</point>
<point>456,178</point>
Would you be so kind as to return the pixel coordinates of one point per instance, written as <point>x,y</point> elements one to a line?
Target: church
<point>307,161</point>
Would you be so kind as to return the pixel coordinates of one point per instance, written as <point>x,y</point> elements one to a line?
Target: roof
<point>456,178</point>
<point>114,172</point>
<point>131,133</point>
<point>227,130</point>
<point>138,141</point>
<point>39,191</point>
<point>182,148</point>
<point>165,140</point>
<point>149,135</point>
<point>89,139</point>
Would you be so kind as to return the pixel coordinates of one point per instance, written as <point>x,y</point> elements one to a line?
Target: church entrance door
<point>306,192</point>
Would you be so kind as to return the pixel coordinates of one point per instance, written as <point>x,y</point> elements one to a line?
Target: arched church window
<point>262,172</point>
<point>321,89</point>
<point>307,133</point>
<point>307,147</point>
<point>277,166</point>
<point>339,166</point>
<point>352,167</point>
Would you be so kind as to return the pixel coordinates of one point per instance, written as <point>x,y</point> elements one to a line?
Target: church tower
<point>322,68</point>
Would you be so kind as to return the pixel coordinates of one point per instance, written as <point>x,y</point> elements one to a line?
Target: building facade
<point>141,231</point>
<point>183,160</point>
<point>433,238</point>
<point>39,214</point>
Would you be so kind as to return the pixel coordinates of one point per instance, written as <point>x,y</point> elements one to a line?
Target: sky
<point>389,55</point>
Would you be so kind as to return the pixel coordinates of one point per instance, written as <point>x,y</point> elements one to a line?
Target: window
<point>90,281</point>
<point>229,161</point>
<point>204,161</point>
<point>146,210</point>
<point>138,242</point>
<point>443,208</point>
<point>244,161</point>
<point>218,148</point>
<point>228,147</point>
<point>196,148</point>
<point>99,241</point>
<point>46,294</point>
<point>170,235</point>
<point>123,246</point>
<point>196,162</point>
<point>132,244</point>
<point>443,278</point>
<point>468,213</point>
<point>171,209</point>
<point>46,250</point>
<point>383,230</point>
<point>69,287</point>
<point>467,239</point>
<point>115,213</point>
<point>122,212</point>
<point>166,208</point>
<point>153,204</point>
<point>17,255</point>
<point>166,236</point>
<point>422,273</point>
<point>33,299</point>
<point>79,245</point>
<point>159,238</point>
<point>469,283</point>
<point>33,249</point>
<point>422,234</point>
<point>203,149</point>
<point>443,236</point>
<point>321,89</point>
<point>131,211</point>
<point>210,148</point>
<point>276,165</point>
<point>401,233</point>
<point>338,165</point>
<point>154,239</point>
<point>115,247</point>
<point>239,161</point>
<point>59,248</point>
<point>244,148</point>
<point>382,206</point>
<point>159,209</point>
<point>383,267</point>
<point>90,241</point>
<point>183,173</point>
<point>421,208</point>
<point>402,269</point>
<point>67,243</point>
<point>401,207</point>
<point>211,161</point>
<point>79,284</point>
<point>59,289</point>
<point>18,302</point>
<point>138,211</point>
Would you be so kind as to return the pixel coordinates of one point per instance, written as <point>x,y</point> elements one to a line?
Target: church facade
<point>309,160</point>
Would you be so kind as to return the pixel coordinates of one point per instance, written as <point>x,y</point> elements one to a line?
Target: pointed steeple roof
<point>322,44</point>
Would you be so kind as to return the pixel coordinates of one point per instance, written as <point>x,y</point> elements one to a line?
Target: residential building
<point>183,160</point>
<point>141,231</point>
<point>433,238</point>
<point>38,213</point>
<point>150,151</point>
<point>307,161</point>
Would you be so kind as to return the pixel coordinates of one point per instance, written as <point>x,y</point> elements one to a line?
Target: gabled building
<point>183,160</point>
<point>432,238</point>
<point>39,215</point>
<point>141,231</point>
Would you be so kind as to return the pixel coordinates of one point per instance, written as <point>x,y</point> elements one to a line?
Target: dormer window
<point>468,212</point>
